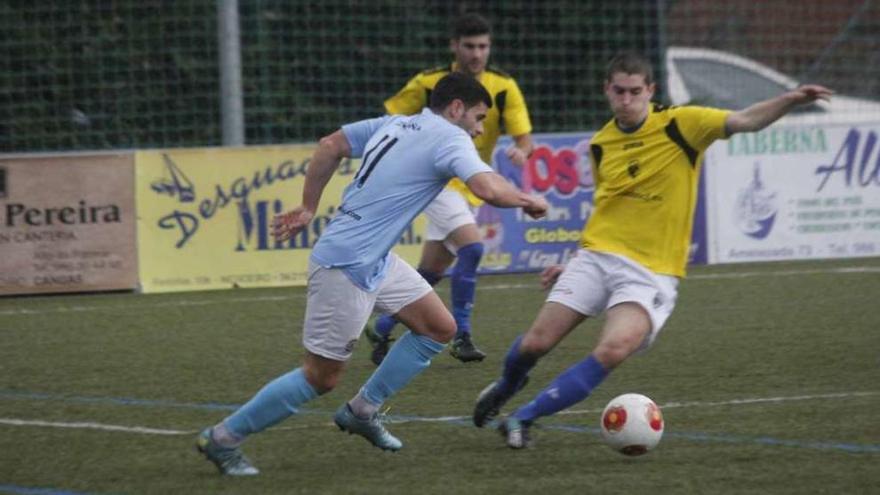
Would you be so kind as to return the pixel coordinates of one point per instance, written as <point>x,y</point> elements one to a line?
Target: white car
<point>721,79</point>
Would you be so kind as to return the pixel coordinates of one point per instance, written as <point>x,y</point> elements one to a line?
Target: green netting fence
<point>145,73</point>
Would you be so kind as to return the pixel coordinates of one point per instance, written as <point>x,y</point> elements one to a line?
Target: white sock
<point>361,407</point>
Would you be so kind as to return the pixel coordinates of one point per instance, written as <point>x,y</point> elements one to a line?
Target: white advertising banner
<point>794,193</point>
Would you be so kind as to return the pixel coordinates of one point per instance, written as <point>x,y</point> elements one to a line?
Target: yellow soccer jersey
<point>646,185</point>
<point>508,110</point>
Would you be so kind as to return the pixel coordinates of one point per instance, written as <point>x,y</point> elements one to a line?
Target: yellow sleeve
<point>516,115</point>
<point>701,126</point>
<point>409,100</point>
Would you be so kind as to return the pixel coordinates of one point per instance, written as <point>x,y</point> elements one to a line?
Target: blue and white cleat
<point>370,428</point>
<point>515,433</point>
<point>229,461</point>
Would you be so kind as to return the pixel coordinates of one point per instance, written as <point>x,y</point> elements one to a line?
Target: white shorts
<point>337,309</point>
<point>592,282</point>
<point>449,211</point>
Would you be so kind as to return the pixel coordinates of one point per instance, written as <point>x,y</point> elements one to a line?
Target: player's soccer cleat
<point>230,461</point>
<point>515,433</point>
<point>490,401</point>
<point>379,343</point>
<point>464,349</point>
<point>370,428</point>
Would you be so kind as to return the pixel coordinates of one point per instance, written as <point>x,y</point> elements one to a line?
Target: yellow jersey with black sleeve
<point>646,185</point>
<point>508,110</point>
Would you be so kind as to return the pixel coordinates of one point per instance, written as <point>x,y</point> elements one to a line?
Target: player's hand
<point>550,275</point>
<point>809,93</point>
<point>286,225</point>
<point>516,156</point>
<point>538,207</point>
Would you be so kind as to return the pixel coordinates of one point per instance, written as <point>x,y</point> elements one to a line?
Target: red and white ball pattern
<point>632,424</point>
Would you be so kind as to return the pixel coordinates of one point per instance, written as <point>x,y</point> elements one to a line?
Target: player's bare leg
<point>276,401</point>
<point>431,328</point>
<point>626,326</point>
<point>552,324</point>
<point>429,317</point>
<point>625,329</point>
<point>436,259</point>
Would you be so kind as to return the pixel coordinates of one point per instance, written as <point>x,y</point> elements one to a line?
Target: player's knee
<point>325,384</point>
<point>438,327</point>
<point>444,331</point>
<point>441,329</point>
<point>535,345</point>
<point>611,352</point>
<point>321,380</point>
<point>433,278</point>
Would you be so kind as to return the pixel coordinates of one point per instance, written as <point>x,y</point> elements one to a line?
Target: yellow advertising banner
<point>204,217</point>
<point>67,223</point>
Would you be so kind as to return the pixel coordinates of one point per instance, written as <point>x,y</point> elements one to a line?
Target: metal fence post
<point>231,101</point>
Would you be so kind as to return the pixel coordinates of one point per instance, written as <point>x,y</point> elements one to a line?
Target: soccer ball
<point>632,424</point>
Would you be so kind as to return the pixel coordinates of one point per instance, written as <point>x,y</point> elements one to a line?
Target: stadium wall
<point>199,218</point>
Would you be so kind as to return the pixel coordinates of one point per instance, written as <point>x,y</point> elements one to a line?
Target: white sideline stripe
<point>672,405</point>
<point>172,304</point>
<point>841,270</point>
<point>439,419</point>
<point>535,286</point>
<point>738,402</point>
<point>125,429</point>
<point>93,426</point>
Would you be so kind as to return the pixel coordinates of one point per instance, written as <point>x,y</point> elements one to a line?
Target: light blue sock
<point>464,284</point>
<point>276,401</point>
<point>406,359</point>
<point>569,388</point>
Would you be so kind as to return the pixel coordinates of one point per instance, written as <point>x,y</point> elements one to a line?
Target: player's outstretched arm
<point>326,159</point>
<point>764,113</point>
<point>497,191</point>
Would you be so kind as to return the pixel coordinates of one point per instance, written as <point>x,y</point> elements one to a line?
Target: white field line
<point>674,405</point>
<point>438,419</point>
<point>740,402</point>
<point>92,426</point>
<point>780,273</point>
<point>482,287</point>
<point>170,304</point>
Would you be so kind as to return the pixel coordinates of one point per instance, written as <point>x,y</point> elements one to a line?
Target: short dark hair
<point>470,24</point>
<point>630,63</point>
<point>458,86</point>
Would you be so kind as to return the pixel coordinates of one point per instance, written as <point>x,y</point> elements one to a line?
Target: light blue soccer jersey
<point>407,160</point>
